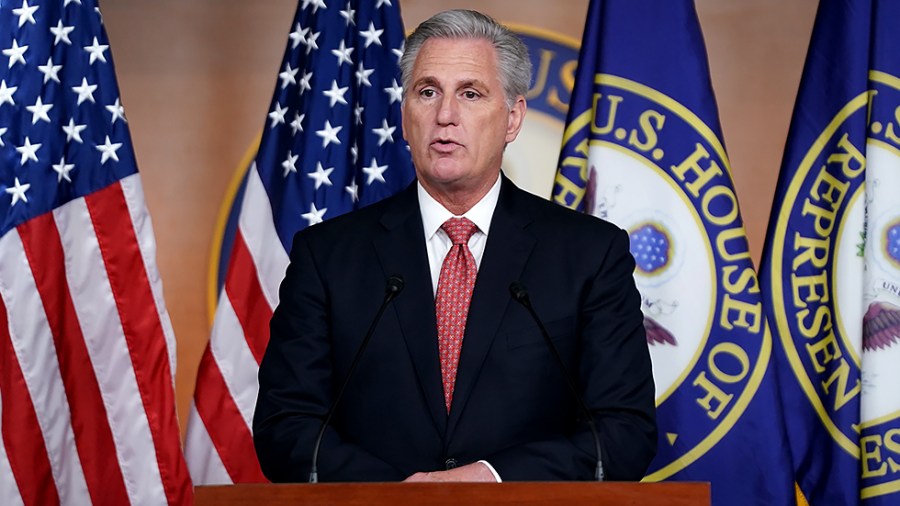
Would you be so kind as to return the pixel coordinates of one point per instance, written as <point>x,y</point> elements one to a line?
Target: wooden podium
<point>456,494</point>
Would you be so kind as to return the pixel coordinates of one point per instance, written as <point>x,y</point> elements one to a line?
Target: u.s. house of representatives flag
<point>332,143</point>
<point>831,268</point>
<point>87,401</point>
<point>643,149</point>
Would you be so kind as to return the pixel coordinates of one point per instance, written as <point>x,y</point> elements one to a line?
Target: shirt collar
<point>434,214</point>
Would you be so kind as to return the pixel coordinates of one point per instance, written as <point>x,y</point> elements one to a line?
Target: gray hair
<point>512,55</point>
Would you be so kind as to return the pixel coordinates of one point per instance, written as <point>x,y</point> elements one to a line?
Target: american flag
<point>87,352</point>
<point>331,143</point>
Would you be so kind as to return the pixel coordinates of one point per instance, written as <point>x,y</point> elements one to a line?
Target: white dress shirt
<point>438,243</point>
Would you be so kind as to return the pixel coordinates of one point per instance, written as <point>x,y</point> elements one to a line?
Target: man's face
<point>455,117</point>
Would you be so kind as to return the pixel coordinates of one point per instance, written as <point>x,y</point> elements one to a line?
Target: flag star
<point>343,54</point>
<point>277,115</point>
<point>28,151</point>
<point>288,76</point>
<point>25,13</point>
<point>398,52</point>
<point>297,124</point>
<point>357,113</point>
<point>96,51</point>
<point>316,4</point>
<point>18,192</point>
<point>6,93</point>
<point>298,36</point>
<point>320,176</point>
<point>395,91</point>
<point>99,15</point>
<point>85,91</point>
<point>382,2</point>
<point>314,216</point>
<point>61,33</point>
<point>353,190</point>
<point>304,82</point>
<point>16,53</point>
<point>311,42</point>
<point>336,94</point>
<point>2,132</point>
<point>348,15</point>
<point>375,172</point>
<point>108,150</point>
<point>39,111</point>
<point>50,70</point>
<point>329,134</point>
<point>362,75</point>
<point>72,1</point>
<point>62,170</point>
<point>385,133</point>
<point>372,35</point>
<point>117,112</point>
<point>73,131</point>
<point>354,152</point>
<point>290,163</point>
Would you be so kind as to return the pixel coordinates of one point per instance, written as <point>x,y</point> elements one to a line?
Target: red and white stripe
<point>87,397</point>
<point>219,445</point>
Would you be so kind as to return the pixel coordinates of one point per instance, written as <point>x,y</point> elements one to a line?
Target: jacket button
<point>451,464</point>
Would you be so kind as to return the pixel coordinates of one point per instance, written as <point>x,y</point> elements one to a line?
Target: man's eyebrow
<point>472,83</point>
<point>466,83</point>
<point>426,81</point>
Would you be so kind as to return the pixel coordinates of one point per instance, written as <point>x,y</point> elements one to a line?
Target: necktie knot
<point>460,230</point>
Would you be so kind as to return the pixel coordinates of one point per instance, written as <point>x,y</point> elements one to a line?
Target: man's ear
<point>516,118</point>
<point>403,118</point>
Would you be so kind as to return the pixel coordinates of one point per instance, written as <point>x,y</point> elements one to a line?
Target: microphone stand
<point>520,294</point>
<point>391,290</point>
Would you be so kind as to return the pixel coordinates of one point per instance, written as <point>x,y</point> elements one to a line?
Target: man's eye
<point>470,94</point>
<point>427,93</point>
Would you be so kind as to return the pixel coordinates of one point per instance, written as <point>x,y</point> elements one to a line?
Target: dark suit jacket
<point>511,405</point>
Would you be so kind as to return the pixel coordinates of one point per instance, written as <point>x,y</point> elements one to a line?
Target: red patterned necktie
<point>453,296</point>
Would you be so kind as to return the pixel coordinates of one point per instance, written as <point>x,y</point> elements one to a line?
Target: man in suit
<point>457,383</point>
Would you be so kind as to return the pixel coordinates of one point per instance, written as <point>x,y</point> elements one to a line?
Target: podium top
<point>454,494</point>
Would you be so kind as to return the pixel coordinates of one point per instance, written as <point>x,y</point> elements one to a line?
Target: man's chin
<point>446,184</point>
<point>445,174</point>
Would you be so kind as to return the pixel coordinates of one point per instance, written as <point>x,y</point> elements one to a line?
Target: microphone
<point>392,288</point>
<point>520,294</point>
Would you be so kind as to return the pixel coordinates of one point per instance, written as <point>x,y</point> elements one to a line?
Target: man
<point>457,383</point>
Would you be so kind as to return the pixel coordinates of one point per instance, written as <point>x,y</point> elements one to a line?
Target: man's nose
<point>448,111</point>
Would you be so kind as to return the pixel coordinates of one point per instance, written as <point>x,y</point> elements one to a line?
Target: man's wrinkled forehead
<point>467,55</point>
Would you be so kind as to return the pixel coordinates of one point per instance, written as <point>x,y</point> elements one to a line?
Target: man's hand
<point>475,471</point>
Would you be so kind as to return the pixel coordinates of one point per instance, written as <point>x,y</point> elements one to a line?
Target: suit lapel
<point>506,252</point>
<point>401,250</point>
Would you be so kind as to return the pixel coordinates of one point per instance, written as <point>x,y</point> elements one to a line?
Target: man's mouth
<point>444,145</point>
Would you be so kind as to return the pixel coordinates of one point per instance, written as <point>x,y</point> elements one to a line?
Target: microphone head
<point>518,292</point>
<point>395,284</point>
